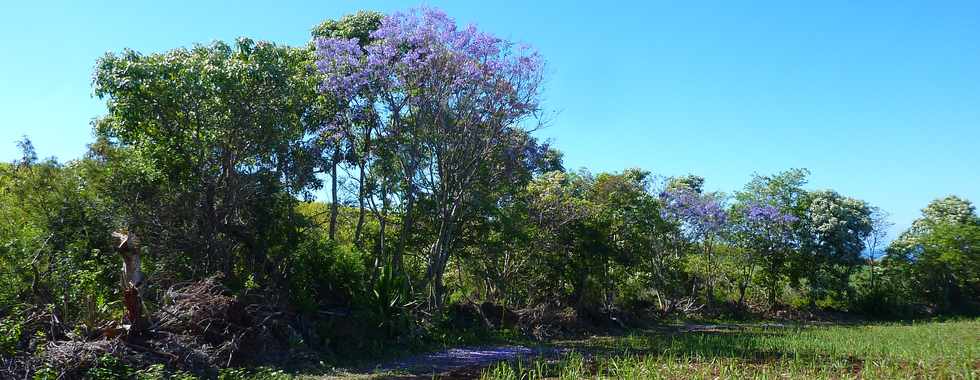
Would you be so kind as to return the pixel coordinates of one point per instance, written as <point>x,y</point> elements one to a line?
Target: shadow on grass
<point>704,342</point>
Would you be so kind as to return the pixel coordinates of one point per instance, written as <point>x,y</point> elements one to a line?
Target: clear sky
<point>880,100</point>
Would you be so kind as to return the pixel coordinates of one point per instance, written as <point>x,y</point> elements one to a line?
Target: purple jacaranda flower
<point>700,213</point>
<point>765,213</point>
<point>416,54</point>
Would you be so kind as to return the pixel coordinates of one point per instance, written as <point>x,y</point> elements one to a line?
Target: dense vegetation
<point>440,205</point>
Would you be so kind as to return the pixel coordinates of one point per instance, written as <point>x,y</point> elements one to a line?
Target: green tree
<point>766,217</point>
<point>832,233</point>
<point>948,210</point>
<point>54,229</point>
<point>940,255</point>
<point>224,128</point>
<point>561,211</point>
<point>498,234</point>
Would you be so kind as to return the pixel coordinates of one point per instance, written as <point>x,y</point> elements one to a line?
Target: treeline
<point>420,134</point>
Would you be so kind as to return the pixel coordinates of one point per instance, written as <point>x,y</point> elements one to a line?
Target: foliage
<point>223,128</point>
<point>11,330</point>
<point>939,256</point>
<point>437,191</point>
<point>450,99</point>
<point>834,229</point>
<point>108,367</point>
<point>52,240</point>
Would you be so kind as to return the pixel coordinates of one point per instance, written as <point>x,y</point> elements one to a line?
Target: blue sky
<point>880,100</point>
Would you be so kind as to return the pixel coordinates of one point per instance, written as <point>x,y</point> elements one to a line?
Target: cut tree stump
<point>132,278</point>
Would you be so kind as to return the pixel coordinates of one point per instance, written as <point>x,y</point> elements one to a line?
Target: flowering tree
<point>939,255</point>
<point>701,216</point>
<point>838,225</point>
<point>446,98</point>
<point>767,233</point>
<point>947,210</point>
<point>832,236</point>
<point>351,143</point>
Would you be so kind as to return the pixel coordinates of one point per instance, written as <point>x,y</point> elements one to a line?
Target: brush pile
<point>199,328</point>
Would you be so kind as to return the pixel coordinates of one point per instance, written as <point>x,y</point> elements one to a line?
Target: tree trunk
<point>333,195</point>
<point>134,311</point>
<point>741,294</point>
<point>773,280</point>
<point>438,258</point>
<point>709,292</point>
<point>379,257</point>
<point>406,231</point>
<point>872,266</point>
<point>360,206</point>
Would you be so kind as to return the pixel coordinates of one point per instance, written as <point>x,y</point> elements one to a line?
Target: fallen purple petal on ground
<point>455,358</point>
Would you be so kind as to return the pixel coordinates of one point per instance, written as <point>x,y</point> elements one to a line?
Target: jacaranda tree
<point>447,98</point>
<point>767,233</point>
<point>702,217</point>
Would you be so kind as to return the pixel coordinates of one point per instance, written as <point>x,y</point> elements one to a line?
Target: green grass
<point>937,350</point>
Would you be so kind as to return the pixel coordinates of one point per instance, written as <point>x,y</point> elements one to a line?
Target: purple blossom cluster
<point>421,57</point>
<point>342,62</point>
<point>765,213</point>
<point>702,213</point>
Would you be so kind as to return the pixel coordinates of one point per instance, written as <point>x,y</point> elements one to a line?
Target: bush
<point>325,274</point>
<point>11,328</point>
<point>54,250</point>
<point>887,299</point>
<point>256,374</point>
<point>108,367</point>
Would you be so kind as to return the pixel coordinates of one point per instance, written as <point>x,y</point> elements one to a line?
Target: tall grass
<point>939,350</point>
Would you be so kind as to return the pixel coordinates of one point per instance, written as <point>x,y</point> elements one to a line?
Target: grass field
<point>936,350</point>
